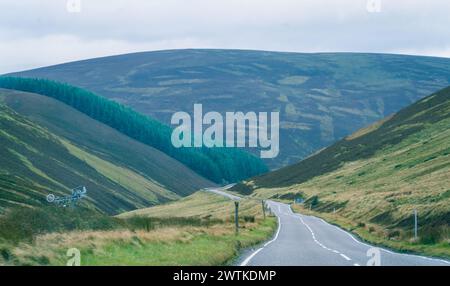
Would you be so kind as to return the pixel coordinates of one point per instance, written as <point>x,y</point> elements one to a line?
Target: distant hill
<point>380,174</point>
<point>322,97</point>
<point>49,147</point>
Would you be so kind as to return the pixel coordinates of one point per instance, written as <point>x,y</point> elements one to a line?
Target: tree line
<point>220,165</point>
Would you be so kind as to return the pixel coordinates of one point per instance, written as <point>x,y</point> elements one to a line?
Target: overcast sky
<point>37,33</point>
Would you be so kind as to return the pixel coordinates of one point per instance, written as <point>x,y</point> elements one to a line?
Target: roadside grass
<point>43,236</point>
<point>186,245</point>
<point>216,245</point>
<point>398,240</point>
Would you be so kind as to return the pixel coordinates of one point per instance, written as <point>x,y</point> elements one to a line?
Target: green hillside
<point>49,147</point>
<point>216,164</point>
<point>373,180</point>
<point>321,97</point>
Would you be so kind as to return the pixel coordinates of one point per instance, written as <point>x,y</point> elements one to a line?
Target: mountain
<point>49,147</point>
<point>321,97</point>
<point>379,175</point>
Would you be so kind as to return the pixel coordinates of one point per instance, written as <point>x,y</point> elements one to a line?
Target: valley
<point>321,97</point>
<point>354,153</point>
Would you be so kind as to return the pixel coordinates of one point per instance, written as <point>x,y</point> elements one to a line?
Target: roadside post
<point>236,215</point>
<point>415,224</point>
<point>263,208</point>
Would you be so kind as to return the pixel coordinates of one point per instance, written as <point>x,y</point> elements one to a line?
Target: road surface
<point>220,191</point>
<point>308,240</point>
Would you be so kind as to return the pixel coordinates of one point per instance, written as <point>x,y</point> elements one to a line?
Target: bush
<point>393,234</point>
<point>5,254</point>
<point>248,218</point>
<point>314,201</point>
<point>431,235</point>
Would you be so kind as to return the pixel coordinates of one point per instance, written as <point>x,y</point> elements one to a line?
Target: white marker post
<point>263,208</point>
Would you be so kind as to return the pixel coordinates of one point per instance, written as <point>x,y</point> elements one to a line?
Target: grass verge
<point>166,245</point>
<point>377,235</point>
<point>202,233</point>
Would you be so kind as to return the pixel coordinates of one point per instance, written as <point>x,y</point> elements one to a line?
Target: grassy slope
<point>375,178</point>
<point>200,204</point>
<point>321,97</point>
<point>179,242</point>
<point>67,149</point>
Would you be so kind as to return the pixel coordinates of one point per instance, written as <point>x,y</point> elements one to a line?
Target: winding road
<point>221,191</point>
<point>308,240</point>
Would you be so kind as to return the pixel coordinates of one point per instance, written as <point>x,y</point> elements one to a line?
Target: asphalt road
<point>220,191</point>
<point>308,240</point>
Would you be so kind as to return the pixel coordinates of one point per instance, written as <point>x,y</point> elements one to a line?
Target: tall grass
<point>24,224</point>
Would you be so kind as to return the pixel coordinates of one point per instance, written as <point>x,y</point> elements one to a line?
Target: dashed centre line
<point>320,244</point>
<point>345,256</point>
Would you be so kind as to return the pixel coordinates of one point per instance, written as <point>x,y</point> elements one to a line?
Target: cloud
<point>36,33</point>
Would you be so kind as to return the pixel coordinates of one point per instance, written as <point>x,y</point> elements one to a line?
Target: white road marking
<point>276,235</point>
<point>345,256</point>
<point>384,249</point>
<point>247,260</point>
<point>320,244</point>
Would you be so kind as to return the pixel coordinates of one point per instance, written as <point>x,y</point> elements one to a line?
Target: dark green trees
<point>220,165</point>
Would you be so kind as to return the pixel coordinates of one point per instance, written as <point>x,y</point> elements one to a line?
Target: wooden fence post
<point>236,215</point>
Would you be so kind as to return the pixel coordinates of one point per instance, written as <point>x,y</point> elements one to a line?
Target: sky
<point>35,33</point>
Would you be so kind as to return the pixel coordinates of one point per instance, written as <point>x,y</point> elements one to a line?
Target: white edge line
<point>247,260</point>
<point>276,235</point>
<point>381,248</point>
